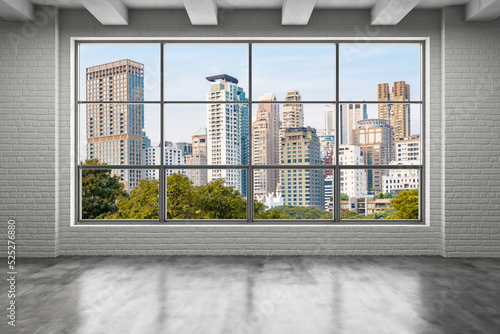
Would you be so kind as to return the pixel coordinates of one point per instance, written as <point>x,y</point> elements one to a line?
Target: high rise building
<point>374,137</point>
<point>146,142</point>
<point>301,187</point>
<point>198,157</point>
<point>330,121</point>
<point>227,131</point>
<point>152,156</point>
<point>398,115</point>
<point>186,148</point>
<point>352,181</point>
<point>265,146</point>
<point>114,131</point>
<point>407,148</point>
<point>293,113</point>
<point>350,114</point>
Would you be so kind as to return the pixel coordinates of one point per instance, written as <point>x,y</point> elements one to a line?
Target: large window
<point>250,132</point>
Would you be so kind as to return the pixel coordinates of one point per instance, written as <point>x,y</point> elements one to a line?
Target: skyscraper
<point>350,114</point>
<point>198,157</point>
<point>265,149</point>
<point>301,187</point>
<point>375,139</point>
<point>114,131</point>
<point>352,181</point>
<point>293,114</point>
<point>227,131</point>
<point>173,156</point>
<point>398,115</point>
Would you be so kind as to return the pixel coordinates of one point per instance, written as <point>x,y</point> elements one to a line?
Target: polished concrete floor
<point>199,295</point>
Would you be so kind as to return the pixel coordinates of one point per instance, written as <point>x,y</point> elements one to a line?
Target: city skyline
<point>232,60</point>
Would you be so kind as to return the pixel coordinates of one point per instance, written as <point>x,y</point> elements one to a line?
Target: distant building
<point>397,114</point>
<point>350,115</point>
<point>227,131</point>
<point>186,148</point>
<point>198,157</point>
<point>352,181</point>
<point>173,157</point>
<point>301,187</point>
<point>265,145</point>
<point>114,131</point>
<point>146,142</point>
<point>407,148</point>
<point>397,180</point>
<point>329,190</point>
<point>375,139</point>
<point>293,113</point>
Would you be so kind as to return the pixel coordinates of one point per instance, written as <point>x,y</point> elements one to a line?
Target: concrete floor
<point>256,295</point>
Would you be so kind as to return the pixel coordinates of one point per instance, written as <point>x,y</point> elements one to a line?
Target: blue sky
<point>308,68</point>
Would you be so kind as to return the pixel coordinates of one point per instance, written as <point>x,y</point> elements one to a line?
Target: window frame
<point>336,221</point>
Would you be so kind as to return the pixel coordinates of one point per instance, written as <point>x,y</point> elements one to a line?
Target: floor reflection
<point>259,295</point>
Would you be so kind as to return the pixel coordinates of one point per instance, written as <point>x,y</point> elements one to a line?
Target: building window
<point>219,132</point>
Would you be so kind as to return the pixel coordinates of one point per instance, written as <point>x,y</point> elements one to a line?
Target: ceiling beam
<point>201,12</point>
<point>108,12</point>
<point>17,10</point>
<point>391,12</point>
<point>296,12</point>
<point>482,10</point>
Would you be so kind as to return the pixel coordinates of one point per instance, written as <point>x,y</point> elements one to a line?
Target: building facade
<point>350,114</point>
<point>301,187</point>
<point>352,181</point>
<point>227,131</point>
<point>397,180</point>
<point>198,156</point>
<point>173,156</point>
<point>114,131</point>
<point>375,139</point>
<point>398,114</point>
<point>407,148</point>
<point>265,146</point>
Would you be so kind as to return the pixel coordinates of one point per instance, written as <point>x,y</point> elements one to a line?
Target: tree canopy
<point>406,205</point>
<point>100,191</point>
<point>141,204</point>
<point>302,212</point>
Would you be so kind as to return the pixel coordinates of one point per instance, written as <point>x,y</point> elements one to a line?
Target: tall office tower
<point>293,114</point>
<point>227,131</point>
<point>375,139</point>
<point>302,187</point>
<point>114,131</point>
<point>328,191</point>
<point>350,114</point>
<point>265,149</point>
<point>330,121</point>
<point>198,157</point>
<point>398,115</point>
<point>352,181</point>
<point>407,148</point>
<point>152,156</point>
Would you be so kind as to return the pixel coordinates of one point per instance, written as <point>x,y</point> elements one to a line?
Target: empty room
<point>250,166</point>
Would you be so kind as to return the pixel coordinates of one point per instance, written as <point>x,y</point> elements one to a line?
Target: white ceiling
<point>252,4</point>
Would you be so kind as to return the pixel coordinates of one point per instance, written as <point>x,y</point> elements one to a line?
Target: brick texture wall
<point>41,199</point>
<point>472,128</point>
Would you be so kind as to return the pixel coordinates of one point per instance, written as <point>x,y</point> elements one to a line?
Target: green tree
<point>217,201</point>
<point>301,212</point>
<point>344,197</point>
<point>388,195</point>
<point>406,205</point>
<point>180,198</point>
<point>351,215</point>
<point>379,195</point>
<point>141,204</point>
<point>100,191</point>
<point>260,212</point>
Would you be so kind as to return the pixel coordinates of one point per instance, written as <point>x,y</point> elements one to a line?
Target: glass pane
<point>119,134</point>
<point>118,194</point>
<point>213,134</point>
<point>206,194</point>
<point>380,193</point>
<point>117,72</point>
<point>308,68</point>
<point>190,68</point>
<point>374,72</point>
<point>293,193</point>
<point>391,132</point>
<point>292,134</point>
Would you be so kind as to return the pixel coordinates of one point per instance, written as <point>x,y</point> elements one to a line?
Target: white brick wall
<point>472,67</point>
<point>28,190</point>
